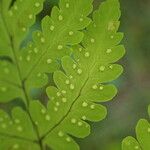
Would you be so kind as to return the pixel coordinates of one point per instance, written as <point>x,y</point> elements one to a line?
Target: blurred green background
<point>134,85</point>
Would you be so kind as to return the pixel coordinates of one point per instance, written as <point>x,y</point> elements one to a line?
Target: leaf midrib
<point>75,100</point>
<point>65,116</point>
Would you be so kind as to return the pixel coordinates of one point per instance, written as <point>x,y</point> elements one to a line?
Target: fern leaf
<point>59,32</point>
<point>18,27</point>
<point>142,135</point>
<point>5,49</point>
<point>14,28</point>
<point>30,64</point>
<point>82,83</point>
<point>17,132</point>
<point>10,87</point>
<point>4,40</point>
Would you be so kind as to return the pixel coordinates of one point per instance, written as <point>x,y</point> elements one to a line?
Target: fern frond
<point>83,82</point>
<point>10,87</point>
<point>59,32</point>
<point>15,22</point>
<point>142,135</point>
<point>29,64</point>
<point>17,132</point>
<point>80,85</point>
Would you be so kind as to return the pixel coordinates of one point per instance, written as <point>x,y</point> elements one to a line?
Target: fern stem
<point>86,81</point>
<point>26,97</point>
<point>34,125</point>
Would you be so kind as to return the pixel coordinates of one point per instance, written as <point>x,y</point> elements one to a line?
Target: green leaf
<point>13,143</point>
<point>5,49</point>
<point>83,82</point>
<point>14,28</point>
<point>59,32</point>
<point>16,131</point>
<point>130,143</point>
<point>10,87</point>
<point>30,64</point>
<point>142,135</point>
<point>20,17</point>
